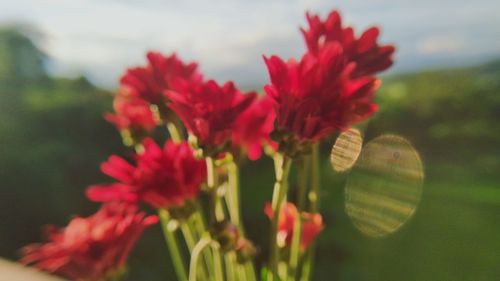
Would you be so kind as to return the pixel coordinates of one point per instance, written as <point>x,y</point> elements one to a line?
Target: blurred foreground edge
<point>17,272</point>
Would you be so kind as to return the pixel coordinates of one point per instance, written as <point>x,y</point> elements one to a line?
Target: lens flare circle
<point>384,186</point>
<point>346,150</point>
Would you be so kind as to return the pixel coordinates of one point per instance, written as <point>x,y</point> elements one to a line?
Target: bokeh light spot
<point>385,186</point>
<point>346,150</point>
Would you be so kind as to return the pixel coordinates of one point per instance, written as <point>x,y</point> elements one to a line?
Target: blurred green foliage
<point>20,59</point>
<point>53,137</point>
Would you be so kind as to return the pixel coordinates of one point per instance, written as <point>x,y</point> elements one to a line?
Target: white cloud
<point>444,44</point>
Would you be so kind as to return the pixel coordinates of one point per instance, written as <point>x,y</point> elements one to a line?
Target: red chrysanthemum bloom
<point>162,177</point>
<point>132,114</point>
<point>210,111</point>
<point>160,74</point>
<point>254,127</point>
<point>312,224</point>
<point>141,87</point>
<point>369,56</point>
<point>91,248</point>
<point>316,96</point>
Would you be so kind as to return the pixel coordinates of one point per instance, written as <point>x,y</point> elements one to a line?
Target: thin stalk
<point>250,271</point>
<point>307,264</point>
<point>233,201</point>
<point>139,148</point>
<point>212,189</point>
<point>199,223</point>
<point>303,165</point>
<point>211,179</point>
<point>282,164</point>
<point>197,250</point>
<point>216,210</point>
<point>233,195</point>
<point>295,249</point>
<point>198,226</point>
<point>303,181</point>
<point>307,267</point>
<point>190,238</point>
<point>173,246</point>
<point>315,180</point>
<point>174,132</point>
<point>219,210</point>
<point>241,271</point>
<point>282,270</point>
<point>219,275</point>
<point>231,266</point>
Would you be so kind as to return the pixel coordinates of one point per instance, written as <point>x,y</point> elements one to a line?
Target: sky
<point>101,38</point>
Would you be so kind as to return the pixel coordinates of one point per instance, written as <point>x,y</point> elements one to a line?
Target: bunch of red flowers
<point>91,248</point>
<point>163,177</point>
<point>330,88</point>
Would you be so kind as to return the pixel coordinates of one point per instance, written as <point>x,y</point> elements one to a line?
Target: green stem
<point>173,246</point>
<point>195,254</point>
<point>231,266</point>
<point>233,195</point>
<point>313,197</point>
<point>315,180</point>
<point>190,238</point>
<point>307,264</point>
<point>242,272</point>
<point>246,271</point>
<point>303,165</point>
<point>174,132</point>
<point>295,248</point>
<point>282,270</point>
<point>199,222</point>
<point>216,211</point>
<point>250,271</point>
<point>211,178</point>
<point>198,226</point>
<point>282,164</point>
<point>188,235</point>
<point>219,275</point>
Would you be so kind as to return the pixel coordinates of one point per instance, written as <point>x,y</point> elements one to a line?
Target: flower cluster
<point>132,114</point>
<point>91,248</point>
<point>331,87</point>
<point>140,100</point>
<point>160,74</point>
<point>364,51</point>
<point>162,177</point>
<point>190,179</point>
<point>210,111</point>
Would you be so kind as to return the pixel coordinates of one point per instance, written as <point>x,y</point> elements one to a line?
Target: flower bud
<point>227,234</point>
<point>245,251</point>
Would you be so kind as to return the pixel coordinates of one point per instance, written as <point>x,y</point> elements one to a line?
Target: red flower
<point>254,127</point>
<point>312,224</point>
<point>210,111</point>
<point>142,86</point>
<point>90,248</point>
<point>162,178</point>
<point>315,97</point>
<point>369,56</point>
<point>131,114</point>
<point>160,74</point>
